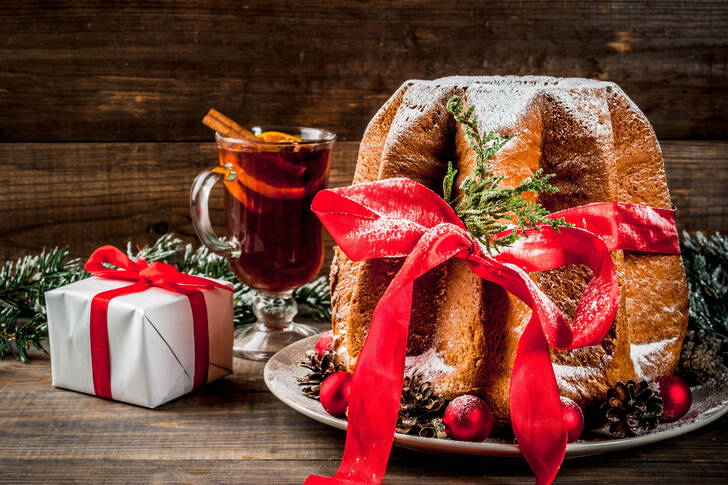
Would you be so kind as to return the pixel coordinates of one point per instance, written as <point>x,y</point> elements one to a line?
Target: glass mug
<point>274,242</point>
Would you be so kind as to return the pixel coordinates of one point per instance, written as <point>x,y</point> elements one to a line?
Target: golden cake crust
<point>464,331</point>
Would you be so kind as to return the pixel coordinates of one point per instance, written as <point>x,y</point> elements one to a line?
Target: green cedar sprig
<point>484,205</point>
<point>23,283</point>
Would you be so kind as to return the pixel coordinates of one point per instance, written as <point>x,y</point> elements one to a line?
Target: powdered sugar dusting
<point>429,365</point>
<point>515,92</point>
<point>387,230</point>
<point>418,98</point>
<point>569,378</point>
<point>339,345</point>
<point>647,357</point>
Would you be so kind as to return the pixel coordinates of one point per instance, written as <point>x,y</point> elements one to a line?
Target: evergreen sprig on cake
<point>485,206</point>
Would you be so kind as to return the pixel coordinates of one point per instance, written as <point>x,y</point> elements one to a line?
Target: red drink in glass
<point>274,242</point>
<point>269,212</point>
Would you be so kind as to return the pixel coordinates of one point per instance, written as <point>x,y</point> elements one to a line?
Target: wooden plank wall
<point>101,101</point>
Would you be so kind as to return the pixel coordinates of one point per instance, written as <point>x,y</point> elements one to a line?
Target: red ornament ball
<point>676,397</point>
<point>573,418</point>
<point>325,342</point>
<point>468,418</point>
<point>334,393</point>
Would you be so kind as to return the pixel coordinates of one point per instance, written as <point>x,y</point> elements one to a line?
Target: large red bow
<point>399,217</point>
<point>144,276</point>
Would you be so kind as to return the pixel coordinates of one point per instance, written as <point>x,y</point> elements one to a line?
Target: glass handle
<point>199,196</point>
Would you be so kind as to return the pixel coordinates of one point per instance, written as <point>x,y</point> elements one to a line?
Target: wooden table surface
<point>235,431</point>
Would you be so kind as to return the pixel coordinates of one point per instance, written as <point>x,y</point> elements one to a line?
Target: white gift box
<point>151,340</point>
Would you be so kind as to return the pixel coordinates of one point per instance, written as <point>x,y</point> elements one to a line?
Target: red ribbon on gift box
<point>144,276</point>
<point>401,218</point>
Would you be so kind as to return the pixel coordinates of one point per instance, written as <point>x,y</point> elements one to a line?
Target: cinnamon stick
<point>228,128</point>
<point>225,126</point>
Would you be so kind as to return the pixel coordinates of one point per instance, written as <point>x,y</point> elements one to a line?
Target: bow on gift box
<point>143,276</point>
<point>401,218</point>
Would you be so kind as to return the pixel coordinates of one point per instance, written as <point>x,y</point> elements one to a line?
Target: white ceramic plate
<point>710,402</point>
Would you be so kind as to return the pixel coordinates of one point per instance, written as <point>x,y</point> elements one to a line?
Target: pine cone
<point>632,409</point>
<point>419,407</point>
<point>434,429</point>
<point>321,367</point>
<point>700,357</point>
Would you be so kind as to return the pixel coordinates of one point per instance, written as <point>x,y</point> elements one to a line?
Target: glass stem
<point>275,311</point>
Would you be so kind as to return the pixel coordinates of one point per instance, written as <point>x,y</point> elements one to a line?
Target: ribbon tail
<point>534,402</point>
<point>376,386</point>
<point>319,480</point>
<point>535,405</point>
<point>376,389</point>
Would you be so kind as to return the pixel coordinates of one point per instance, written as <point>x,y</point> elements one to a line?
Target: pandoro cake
<point>464,331</point>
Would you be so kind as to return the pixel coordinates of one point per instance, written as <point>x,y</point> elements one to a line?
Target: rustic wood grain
<point>140,70</point>
<point>106,78</point>
<point>86,194</point>
<point>82,195</point>
<point>697,175</point>
<point>235,431</point>
<point>405,468</point>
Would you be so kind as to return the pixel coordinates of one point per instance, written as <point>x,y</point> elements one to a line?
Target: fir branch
<point>23,283</point>
<point>165,249</point>
<point>201,262</point>
<point>484,206</point>
<point>314,299</point>
<point>706,268</point>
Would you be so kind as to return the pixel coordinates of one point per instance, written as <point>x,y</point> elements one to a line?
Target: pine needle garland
<point>485,206</point>
<point>706,267</point>
<point>23,283</point>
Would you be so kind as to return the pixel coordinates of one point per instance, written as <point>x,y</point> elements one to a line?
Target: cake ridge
<point>601,148</point>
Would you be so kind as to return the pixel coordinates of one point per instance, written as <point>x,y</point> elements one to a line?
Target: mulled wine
<point>268,210</point>
<point>274,242</point>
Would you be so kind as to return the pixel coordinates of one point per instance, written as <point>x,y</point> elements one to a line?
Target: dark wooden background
<point>101,101</point>
<point>100,138</point>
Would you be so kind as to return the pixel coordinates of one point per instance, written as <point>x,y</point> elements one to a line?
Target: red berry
<point>334,394</point>
<point>468,418</point>
<point>325,342</point>
<point>676,397</point>
<point>573,418</point>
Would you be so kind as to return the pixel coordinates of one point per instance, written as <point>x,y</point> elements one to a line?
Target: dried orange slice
<point>244,179</point>
<point>276,136</point>
<point>236,190</point>
<point>268,190</point>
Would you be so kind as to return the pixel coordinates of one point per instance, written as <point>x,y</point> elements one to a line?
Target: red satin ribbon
<point>399,217</point>
<point>144,276</point>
